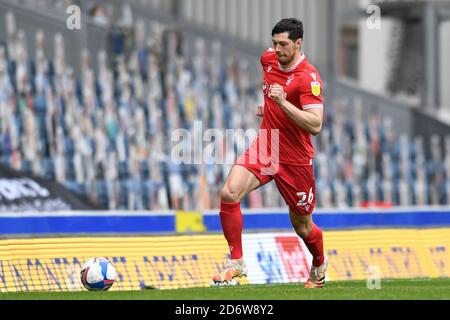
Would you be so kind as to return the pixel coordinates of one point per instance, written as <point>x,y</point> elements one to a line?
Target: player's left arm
<point>310,120</point>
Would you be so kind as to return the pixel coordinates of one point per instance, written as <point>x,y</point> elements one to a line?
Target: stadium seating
<point>107,135</point>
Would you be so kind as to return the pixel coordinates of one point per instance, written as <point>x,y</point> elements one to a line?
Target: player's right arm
<point>309,120</point>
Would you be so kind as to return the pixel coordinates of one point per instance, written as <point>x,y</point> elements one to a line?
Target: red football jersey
<point>303,87</point>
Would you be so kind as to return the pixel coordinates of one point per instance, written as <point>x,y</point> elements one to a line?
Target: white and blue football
<point>98,274</point>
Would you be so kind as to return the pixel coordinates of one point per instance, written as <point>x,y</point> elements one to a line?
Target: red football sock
<point>231,220</point>
<point>314,243</point>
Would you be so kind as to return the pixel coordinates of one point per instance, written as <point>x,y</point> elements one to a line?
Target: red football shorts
<point>295,183</point>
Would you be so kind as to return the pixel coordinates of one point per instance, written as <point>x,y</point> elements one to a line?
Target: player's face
<point>285,48</point>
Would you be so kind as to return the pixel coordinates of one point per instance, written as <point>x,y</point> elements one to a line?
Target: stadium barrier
<point>169,222</point>
<point>180,261</point>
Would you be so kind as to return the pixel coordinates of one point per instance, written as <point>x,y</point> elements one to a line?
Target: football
<point>98,274</point>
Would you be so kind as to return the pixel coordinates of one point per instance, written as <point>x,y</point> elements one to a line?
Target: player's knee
<point>302,230</point>
<point>229,195</point>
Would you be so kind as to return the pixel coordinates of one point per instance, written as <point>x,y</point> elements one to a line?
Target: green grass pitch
<point>417,289</point>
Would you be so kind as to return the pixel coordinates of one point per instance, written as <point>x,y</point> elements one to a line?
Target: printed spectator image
<point>225,150</point>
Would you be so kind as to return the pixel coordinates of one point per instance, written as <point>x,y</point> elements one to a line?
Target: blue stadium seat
<point>101,193</point>
<point>148,187</point>
<point>70,169</point>
<point>76,187</point>
<point>48,166</point>
<point>69,147</point>
<point>123,170</point>
<point>135,188</point>
<point>123,194</point>
<point>27,166</point>
<point>144,170</point>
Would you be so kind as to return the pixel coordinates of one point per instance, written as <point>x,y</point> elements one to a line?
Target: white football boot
<point>235,268</point>
<point>317,276</point>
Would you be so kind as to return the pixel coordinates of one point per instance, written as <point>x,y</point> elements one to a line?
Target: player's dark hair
<point>291,25</point>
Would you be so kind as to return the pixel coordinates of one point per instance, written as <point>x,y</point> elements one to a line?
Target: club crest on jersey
<point>290,79</point>
<point>315,88</point>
